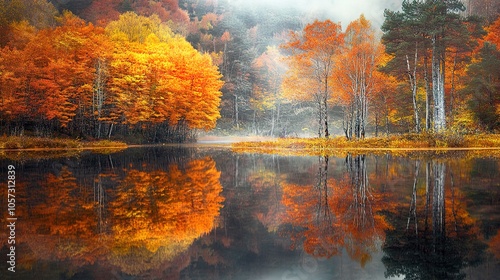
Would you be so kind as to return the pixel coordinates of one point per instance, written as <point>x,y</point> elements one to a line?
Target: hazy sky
<point>343,11</point>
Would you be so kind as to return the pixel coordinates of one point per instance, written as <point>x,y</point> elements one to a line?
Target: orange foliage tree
<point>53,74</point>
<point>81,79</point>
<point>312,61</point>
<point>357,75</point>
<point>159,77</point>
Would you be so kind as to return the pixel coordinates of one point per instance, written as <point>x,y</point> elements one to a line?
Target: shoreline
<point>412,142</point>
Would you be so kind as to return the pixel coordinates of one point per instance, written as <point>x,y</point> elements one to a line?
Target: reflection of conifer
<point>442,240</point>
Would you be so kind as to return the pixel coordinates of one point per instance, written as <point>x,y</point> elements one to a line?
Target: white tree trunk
<point>438,87</point>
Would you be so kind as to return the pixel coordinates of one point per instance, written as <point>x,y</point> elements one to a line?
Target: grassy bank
<point>396,142</point>
<point>17,143</point>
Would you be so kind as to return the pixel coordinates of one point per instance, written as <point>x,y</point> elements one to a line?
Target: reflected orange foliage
<point>495,245</point>
<point>340,216</point>
<point>150,217</point>
<point>161,213</point>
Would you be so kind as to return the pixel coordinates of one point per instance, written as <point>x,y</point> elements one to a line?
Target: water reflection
<point>336,213</point>
<point>440,237</point>
<point>133,218</point>
<point>175,213</point>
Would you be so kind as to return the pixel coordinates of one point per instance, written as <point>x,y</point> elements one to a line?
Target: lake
<point>201,212</point>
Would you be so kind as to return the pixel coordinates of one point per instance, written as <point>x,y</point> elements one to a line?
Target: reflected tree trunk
<point>438,206</point>
<point>413,203</point>
<point>100,202</point>
<point>439,250</point>
<point>236,171</point>
<point>356,167</point>
<point>323,212</point>
<point>453,210</point>
<point>428,186</point>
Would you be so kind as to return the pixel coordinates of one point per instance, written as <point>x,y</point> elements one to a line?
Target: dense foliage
<point>134,78</point>
<point>156,71</point>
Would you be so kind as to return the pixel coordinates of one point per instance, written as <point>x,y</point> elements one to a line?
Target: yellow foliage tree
<point>159,77</point>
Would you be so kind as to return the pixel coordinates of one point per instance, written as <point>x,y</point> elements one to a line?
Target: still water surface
<point>207,213</point>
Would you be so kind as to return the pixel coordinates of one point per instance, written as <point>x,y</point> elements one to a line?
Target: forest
<point>165,71</point>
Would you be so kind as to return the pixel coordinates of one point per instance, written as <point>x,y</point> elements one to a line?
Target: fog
<point>343,11</point>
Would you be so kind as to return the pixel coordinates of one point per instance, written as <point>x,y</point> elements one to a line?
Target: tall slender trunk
<point>412,77</point>
<point>98,95</point>
<point>236,112</point>
<point>325,116</point>
<point>278,114</point>
<point>438,86</point>
<point>271,133</point>
<point>452,88</point>
<point>110,130</point>
<point>325,106</point>
<point>413,204</point>
<point>427,95</point>
<point>386,112</point>
<point>320,116</point>
<point>254,124</point>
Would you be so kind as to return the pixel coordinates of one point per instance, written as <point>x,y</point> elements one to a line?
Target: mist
<point>343,11</point>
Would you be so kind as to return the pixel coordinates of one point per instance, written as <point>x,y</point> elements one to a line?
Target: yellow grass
<point>16,143</point>
<point>24,148</point>
<point>404,144</point>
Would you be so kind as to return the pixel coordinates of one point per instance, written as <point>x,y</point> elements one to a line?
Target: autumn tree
<point>10,11</point>
<point>235,36</point>
<point>102,11</point>
<point>488,9</point>
<point>483,82</point>
<point>484,87</point>
<point>85,81</point>
<point>54,72</point>
<point>157,77</point>
<point>38,13</point>
<point>237,57</point>
<point>383,102</point>
<point>312,60</point>
<point>357,76</point>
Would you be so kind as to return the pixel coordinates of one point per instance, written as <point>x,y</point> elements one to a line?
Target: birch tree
<point>311,62</point>
<point>357,76</point>
<point>436,25</point>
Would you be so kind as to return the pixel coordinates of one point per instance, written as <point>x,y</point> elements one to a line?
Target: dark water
<point>202,213</point>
